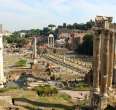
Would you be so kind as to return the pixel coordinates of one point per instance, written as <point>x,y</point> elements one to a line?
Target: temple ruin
<point>103,93</point>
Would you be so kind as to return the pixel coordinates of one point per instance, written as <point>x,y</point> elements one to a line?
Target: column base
<point>103,103</point>
<point>35,61</point>
<point>98,102</point>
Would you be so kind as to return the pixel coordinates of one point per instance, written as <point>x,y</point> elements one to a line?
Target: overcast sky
<point>26,14</point>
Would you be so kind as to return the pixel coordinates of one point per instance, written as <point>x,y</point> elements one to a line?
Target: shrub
<point>46,90</point>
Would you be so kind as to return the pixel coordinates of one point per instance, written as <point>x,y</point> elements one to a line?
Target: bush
<point>86,48</point>
<point>46,90</point>
<point>21,63</point>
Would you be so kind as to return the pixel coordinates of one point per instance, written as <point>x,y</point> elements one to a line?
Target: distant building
<point>22,34</point>
<point>60,43</point>
<point>74,36</point>
<point>7,33</point>
<point>4,32</point>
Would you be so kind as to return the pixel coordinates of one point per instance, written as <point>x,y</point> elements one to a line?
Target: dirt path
<point>76,95</point>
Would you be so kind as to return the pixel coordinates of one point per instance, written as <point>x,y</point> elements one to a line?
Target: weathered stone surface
<point>103,64</point>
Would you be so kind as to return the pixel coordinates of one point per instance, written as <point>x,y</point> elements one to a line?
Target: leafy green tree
<point>64,25</point>
<point>86,47</point>
<point>45,31</point>
<point>15,38</point>
<point>51,26</point>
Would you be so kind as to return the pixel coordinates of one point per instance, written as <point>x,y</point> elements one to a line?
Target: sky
<point>28,14</point>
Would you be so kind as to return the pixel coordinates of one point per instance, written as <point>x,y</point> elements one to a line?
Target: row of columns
<point>51,40</point>
<point>103,53</point>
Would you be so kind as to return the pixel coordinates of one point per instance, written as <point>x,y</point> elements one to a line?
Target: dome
<point>51,35</point>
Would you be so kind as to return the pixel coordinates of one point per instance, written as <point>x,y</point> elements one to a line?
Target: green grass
<point>64,96</point>
<point>4,90</point>
<point>59,101</point>
<point>21,63</point>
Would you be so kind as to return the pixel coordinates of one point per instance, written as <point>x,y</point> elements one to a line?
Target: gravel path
<point>77,95</point>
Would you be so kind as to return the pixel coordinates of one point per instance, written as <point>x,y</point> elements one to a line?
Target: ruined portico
<point>51,41</point>
<point>103,55</point>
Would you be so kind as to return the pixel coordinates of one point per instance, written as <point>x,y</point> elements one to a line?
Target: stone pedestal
<point>99,102</point>
<point>103,103</point>
<point>95,101</point>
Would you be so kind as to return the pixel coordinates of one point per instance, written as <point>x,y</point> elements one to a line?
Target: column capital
<point>106,32</point>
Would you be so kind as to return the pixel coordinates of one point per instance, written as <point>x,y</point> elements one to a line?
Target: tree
<point>86,47</point>
<point>69,26</point>
<point>45,31</point>
<point>75,26</point>
<point>64,25</point>
<point>51,26</point>
<point>15,38</point>
<point>90,24</point>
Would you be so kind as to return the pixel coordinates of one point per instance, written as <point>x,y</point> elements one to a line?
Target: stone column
<point>105,62</point>
<point>96,62</point>
<point>48,42</point>
<point>111,60</point>
<point>2,77</point>
<point>53,41</point>
<point>35,50</point>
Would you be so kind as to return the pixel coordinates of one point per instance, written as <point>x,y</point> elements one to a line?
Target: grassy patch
<point>3,90</point>
<point>31,101</point>
<point>21,63</point>
<point>64,96</point>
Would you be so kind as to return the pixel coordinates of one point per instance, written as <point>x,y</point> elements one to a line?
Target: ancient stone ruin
<point>103,63</point>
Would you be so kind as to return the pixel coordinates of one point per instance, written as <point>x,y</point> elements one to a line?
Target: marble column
<point>96,61</point>
<point>105,62</point>
<point>35,50</point>
<point>53,42</point>
<point>2,77</point>
<point>48,42</point>
<point>111,60</point>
